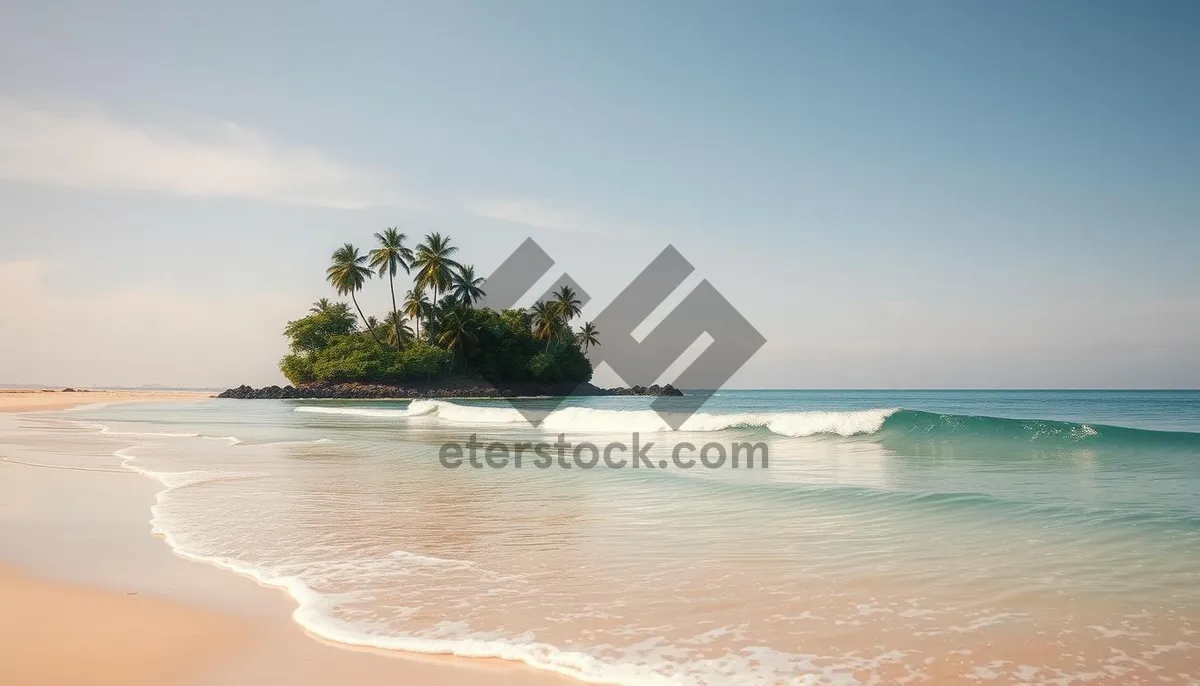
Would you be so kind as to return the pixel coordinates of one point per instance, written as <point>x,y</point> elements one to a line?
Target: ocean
<point>892,536</point>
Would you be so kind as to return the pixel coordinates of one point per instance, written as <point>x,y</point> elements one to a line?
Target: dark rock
<point>454,388</point>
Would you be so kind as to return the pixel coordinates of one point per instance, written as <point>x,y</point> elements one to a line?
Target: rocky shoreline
<point>471,389</point>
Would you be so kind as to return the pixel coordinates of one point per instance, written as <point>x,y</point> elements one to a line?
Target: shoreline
<point>134,610</point>
<point>64,633</point>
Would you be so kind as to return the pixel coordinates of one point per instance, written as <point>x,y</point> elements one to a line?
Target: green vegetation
<point>437,331</point>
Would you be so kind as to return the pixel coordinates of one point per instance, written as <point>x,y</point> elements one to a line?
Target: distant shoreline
<point>439,389</point>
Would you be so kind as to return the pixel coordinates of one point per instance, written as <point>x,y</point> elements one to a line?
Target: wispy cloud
<point>542,215</point>
<point>89,149</point>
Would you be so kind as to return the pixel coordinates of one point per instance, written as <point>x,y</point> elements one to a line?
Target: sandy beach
<point>45,399</point>
<point>169,539</point>
<point>59,633</point>
<point>91,597</point>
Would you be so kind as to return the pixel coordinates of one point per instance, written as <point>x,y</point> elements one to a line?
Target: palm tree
<point>465,287</point>
<point>327,307</point>
<point>455,331</point>
<point>434,263</point>
<point>416,306</point>
<point>347,275</point>
<point>398,331</point>
<point>566,302</point>
<point>546,321</point>
<point>389,258</point>
<point>588,336</point>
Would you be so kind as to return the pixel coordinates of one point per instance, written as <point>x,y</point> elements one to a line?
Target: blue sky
<point>928,194</point>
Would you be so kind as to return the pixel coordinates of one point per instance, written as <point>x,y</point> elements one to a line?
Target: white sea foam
<point>181,479</point>
<point>356,411</point>
<point>593,420</point>
<point>105,430</point>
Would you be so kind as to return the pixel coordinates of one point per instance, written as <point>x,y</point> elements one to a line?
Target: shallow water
<point>893,536</point>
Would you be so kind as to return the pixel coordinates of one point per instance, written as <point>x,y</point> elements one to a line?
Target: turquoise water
<point>949,535</point>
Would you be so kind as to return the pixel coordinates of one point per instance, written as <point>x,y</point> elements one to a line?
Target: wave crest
<point>886,423</point>
<point>594,420</point>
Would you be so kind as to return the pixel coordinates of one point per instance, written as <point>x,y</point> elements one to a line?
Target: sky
<point>896,195</point>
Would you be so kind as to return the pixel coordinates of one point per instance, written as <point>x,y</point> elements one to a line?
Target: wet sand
<point>54,633</point>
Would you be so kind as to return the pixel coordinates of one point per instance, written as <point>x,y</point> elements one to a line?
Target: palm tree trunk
<point>433,305</point>
<point>395,312</point>
<point>360,313</point>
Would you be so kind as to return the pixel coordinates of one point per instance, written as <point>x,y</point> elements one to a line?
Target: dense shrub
<point>504,346</point>
<point>358,357</point>
<point>317,330</point>
<point>355,357</point>
<point>562,363</point>
<point>298,368</point>
<point>327,347</point>
<point>420,361</point>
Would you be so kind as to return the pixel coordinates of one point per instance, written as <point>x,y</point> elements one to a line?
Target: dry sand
<point>55,633</point>
<point>40,399</point>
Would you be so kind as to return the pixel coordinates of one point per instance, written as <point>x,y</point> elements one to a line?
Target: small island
<point>434,342</point>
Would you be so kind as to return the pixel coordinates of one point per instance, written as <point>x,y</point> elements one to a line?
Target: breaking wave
<point>592,420</point>
<point>889,422</point>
